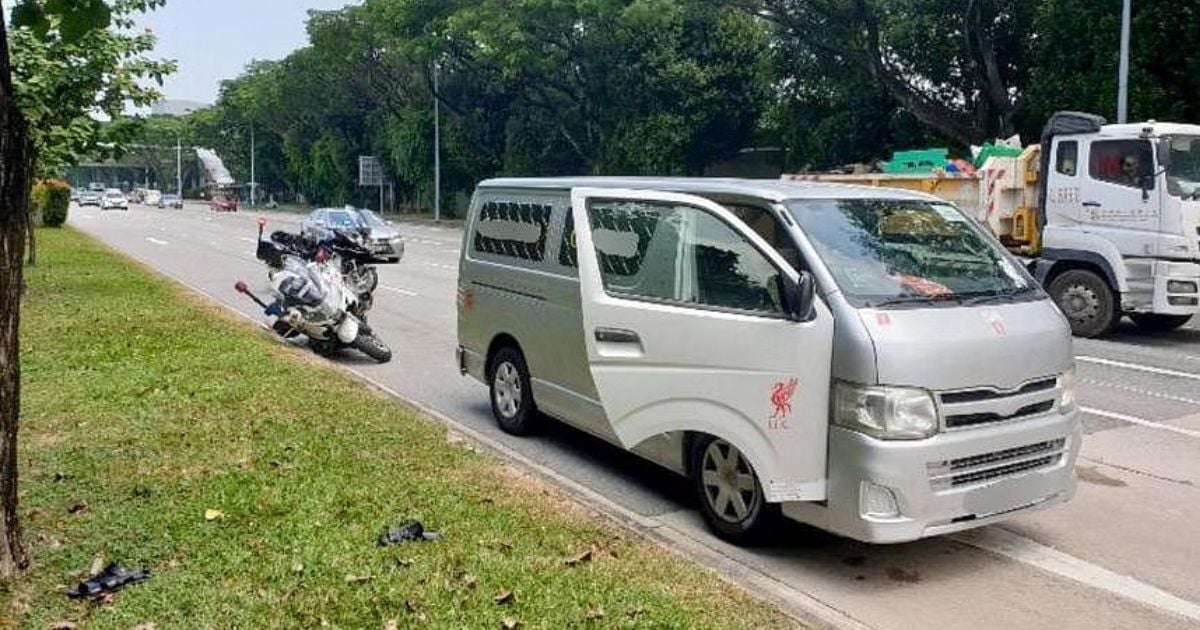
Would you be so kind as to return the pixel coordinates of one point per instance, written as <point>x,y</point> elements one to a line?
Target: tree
<point>958,67</point>
<point>60,61</point>
<point>63,83</point>
<point>1075,58</point>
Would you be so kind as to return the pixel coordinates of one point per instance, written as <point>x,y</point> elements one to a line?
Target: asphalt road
<point>1124,554</point>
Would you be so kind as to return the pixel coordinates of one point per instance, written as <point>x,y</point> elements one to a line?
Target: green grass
<point>151,408</point>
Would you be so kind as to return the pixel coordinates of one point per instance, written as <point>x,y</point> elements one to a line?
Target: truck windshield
<point>885,253</point>
<point>1183,174</point>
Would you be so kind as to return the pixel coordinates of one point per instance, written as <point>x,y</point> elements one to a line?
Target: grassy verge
<point>150,409</point>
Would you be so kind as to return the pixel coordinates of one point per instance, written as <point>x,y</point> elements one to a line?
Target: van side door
<point>686,330</point>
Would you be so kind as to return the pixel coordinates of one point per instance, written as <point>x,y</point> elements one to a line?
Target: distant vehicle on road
<point>170,200</point>
<point>694,323</point>
<point>384,239</point>
<point>114,199</point>
<point>223,203</point>
<point>90,198</point>
<point>75,194</point>
<point>98,187</point>
<point>376,234</point>
<point>151,197</point>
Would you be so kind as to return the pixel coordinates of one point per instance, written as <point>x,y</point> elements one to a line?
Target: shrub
<point>54,203</point>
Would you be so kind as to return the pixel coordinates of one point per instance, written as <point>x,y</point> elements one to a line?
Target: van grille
<point>977,395</point>
<point>986,405</point>
<point>995,465</point>
<point>969,419</point>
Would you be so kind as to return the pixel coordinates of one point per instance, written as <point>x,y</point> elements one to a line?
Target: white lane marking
<point>1139,390</point>
<point>1138,367</point>
<point>441,266</point>
<point>248,239</point>
<point>1005,543</point>
<point>400,291</point>
<point>1140,421</point>
<point>156,241</point>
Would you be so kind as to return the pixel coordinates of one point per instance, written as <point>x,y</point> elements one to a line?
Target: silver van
<point>867,361</point>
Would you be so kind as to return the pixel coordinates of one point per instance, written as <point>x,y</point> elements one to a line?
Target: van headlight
<point>1066,382</point>
<point>888,413</point>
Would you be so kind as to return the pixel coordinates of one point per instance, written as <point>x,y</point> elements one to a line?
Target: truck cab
<point>1120,213</point>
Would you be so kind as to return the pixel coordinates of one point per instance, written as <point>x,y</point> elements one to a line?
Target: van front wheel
<point>512,397</point>
<point>730,494</point>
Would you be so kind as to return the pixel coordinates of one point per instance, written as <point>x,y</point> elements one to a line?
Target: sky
<point>213,40</point>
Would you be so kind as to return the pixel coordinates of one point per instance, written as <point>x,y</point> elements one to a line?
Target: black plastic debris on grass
<point>406,532</point>
<point>112,579</point>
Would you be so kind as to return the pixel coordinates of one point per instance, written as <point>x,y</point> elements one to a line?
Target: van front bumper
<point>953,481</point>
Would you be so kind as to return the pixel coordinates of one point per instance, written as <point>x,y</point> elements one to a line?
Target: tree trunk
<point>15,170</point>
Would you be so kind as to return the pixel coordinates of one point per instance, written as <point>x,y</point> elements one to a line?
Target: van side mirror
<point>799,296</point>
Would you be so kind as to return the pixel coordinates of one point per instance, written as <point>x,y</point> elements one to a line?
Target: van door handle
<point>617,335</point>
<point>1091,204</point>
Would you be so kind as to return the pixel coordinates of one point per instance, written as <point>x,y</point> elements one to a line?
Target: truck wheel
<point>1087,301</point>
<point>731,497</point>
<point>512,397</point>
<point>1152,322</point>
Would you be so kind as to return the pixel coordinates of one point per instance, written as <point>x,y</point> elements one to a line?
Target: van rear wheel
<point>730,494</point>
<point>512,397</point>
<point>1087,301</point>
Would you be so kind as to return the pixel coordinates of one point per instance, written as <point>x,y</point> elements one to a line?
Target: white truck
<point>1107,217</point>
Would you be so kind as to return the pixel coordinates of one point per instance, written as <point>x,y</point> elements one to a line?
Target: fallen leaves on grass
<point>505,597</point>
<point>211,515</point>
<point>64,625</point>
<point>358,579</point>
<point>77,507</point>
<point>594,614</point>
<point>579,558</point>
<point>97,565</point>
<point>508,623</point>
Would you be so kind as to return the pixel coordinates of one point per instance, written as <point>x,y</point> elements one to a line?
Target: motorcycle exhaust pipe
<point>241,287</point>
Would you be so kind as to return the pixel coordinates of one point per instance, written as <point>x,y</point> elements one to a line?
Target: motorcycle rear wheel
<point>373,346</point>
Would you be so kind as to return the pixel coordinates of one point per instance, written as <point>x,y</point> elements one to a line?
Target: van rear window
<point>512,229</point>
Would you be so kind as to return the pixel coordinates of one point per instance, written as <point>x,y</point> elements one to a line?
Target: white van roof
<point>770,189</point>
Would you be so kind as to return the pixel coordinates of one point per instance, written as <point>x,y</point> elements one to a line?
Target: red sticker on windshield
<point>883,319</point>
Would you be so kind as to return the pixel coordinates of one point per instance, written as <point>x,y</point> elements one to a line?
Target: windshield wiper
<point>915,299</point>
<point>998,297</point>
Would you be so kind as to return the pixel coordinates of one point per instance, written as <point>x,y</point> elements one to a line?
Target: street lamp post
<point>253,179</point>
<point>179,166</point>
<point>1123,70</point>
<point>437,149</point>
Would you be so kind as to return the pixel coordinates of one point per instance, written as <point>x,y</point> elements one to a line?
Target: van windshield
<point>885,253</point>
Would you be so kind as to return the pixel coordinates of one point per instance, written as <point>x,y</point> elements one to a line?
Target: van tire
<point>1087,301</point>
<point>510,392</point>
<point>710,466</point>
<point>1154,322</point>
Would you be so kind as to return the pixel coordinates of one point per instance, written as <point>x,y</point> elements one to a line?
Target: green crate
<point>916,162</point>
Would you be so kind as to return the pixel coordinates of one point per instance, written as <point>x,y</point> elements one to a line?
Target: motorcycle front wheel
<point>373,346</point>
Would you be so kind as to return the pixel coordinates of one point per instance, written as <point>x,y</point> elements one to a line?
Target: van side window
<point>680,254</point>
<point>512,229</point>
<point>1125,162</point>
<point>1066,161</point>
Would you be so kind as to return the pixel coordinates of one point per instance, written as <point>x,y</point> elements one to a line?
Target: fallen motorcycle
<point>312,298</point>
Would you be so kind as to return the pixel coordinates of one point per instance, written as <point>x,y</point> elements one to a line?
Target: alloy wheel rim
<point>729,485</point>
<point>507,390</point>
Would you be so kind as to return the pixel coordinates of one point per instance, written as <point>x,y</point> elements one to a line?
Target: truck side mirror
<point>799,296</point>
<point>1162,151</point>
